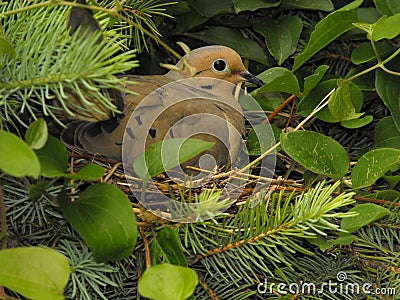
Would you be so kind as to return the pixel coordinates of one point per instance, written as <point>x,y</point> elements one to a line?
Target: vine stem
<point>279,108</point>
<point>378,65</point>
<point>146,248</point>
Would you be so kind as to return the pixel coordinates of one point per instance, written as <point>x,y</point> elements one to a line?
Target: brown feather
<point>105,134</point>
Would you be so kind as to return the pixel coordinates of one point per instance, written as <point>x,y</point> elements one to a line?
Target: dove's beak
<point>246,75</point>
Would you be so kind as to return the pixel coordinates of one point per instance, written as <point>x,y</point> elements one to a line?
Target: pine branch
<point>261,238</point>
<point>48,68</point>
<point>143,13</point>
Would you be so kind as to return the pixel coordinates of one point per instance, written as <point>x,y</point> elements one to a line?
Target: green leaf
<point>357,123</point>
<point>17,158</point>
<point>327,30</point>
<point>387,7</point>
<point>211,8</point>
<point>234,39</point>
<point>167,154</point>
<point>325,244</point>
<point>387,134</point>
<point>89,172</point>
<point>261,138</point>
<point>314,97</point>
<point>36,190</point>
<point>318,153</point>
<point>278,79</point>
<point>253,5</point>
<point>36,135</point>
<point>309,178</point>
<point>167,282</point>
<point>53,158</point>
<point>392,180</point>
<point>367,213</point>
<point>341,102</point>
<point>388,88</point>
<point>166,248</point>
<point>35,273</point>
<point>364,52</point>
<point>325,5</point>
<point>281,36</point>
<point>368,14</point>
<point>103,217</point>
<point>311,81</point>
<point>6,48</point>
<point>373,165</point>
<point>386,28</point>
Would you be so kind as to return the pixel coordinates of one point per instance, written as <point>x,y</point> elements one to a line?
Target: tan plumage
<point>106,136</point>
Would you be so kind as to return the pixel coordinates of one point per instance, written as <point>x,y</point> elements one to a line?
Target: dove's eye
<point>219,65</point>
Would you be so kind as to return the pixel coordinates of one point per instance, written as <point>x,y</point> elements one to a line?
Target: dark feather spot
<point>152,132</point>
<point>138,120</point>
<point>130,133</point>
<point>207,87</point>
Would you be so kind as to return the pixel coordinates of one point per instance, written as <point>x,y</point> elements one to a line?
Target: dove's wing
<point>202,108</point>
<point>104,136</point>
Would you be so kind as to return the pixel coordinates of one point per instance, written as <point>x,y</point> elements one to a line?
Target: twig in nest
<point>146,248</point>
<point>279,108</point>
<point>111,172</point>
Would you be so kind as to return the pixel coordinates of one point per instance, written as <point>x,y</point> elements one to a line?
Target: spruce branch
<point>56,73</point>
<point>259,239</point>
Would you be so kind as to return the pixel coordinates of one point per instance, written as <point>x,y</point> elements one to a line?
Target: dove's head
<point>217,62</point>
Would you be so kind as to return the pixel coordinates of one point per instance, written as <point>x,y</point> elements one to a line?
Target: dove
<point>199,104</point>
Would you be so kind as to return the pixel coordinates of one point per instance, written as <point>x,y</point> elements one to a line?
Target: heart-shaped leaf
<point>53,157</point>
<point>17,158</point>
<point>36,273</point>
<point>367,213</point>
<point>36,135</point>
<point>357,123</point>
<point>167,282</point>
<point>281,36</point>
<point>387,7</point>
<point>103,216</point>
<point>311,81</point>
<point>327,30</point>
<point>167,154</point>
<point>234,39</point>
<point>317,152</point>
<point>388,88</point>
<point>252,5</point>
<point>386,27</point>
<point>386,134</point>
<point>341,102</point>
<point>278,80</point>
<point>373,165</point>
<point>166,248</point>
<point>325,5</point>
<point>88,173</point>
